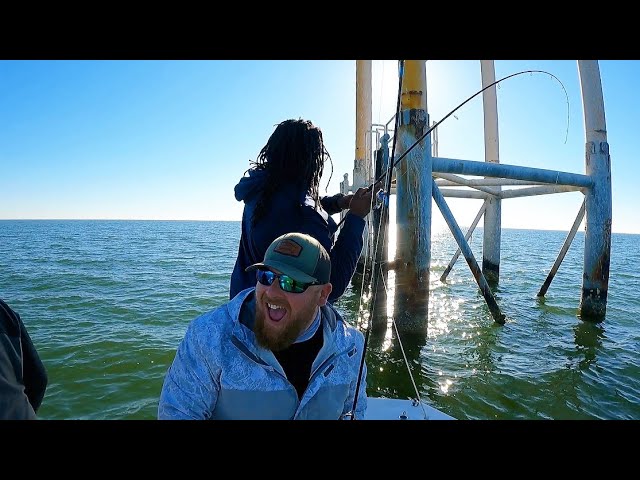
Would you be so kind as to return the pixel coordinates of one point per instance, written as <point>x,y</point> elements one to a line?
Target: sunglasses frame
<point>263,273</point>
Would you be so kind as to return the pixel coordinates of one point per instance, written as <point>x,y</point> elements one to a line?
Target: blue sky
<point>170,139</point>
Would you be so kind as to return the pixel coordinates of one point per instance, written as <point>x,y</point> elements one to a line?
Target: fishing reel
<point>382,198</point>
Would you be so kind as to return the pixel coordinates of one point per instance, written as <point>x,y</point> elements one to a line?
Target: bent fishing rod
<point>390,170</point>
<point>435,125</point>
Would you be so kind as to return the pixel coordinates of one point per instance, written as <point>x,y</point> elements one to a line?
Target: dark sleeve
<point>344,253</point>
<point>35,375</point>
<point>330,204</point>
<point>14,403</point>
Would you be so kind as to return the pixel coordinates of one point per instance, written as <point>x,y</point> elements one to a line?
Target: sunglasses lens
<point>288,284</point>
<point>266,277</point>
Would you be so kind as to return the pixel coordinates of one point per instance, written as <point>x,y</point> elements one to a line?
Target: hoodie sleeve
<point>330,204</point>
<point>23,378</point>
<point>190,388</point>
<point>344,253</point>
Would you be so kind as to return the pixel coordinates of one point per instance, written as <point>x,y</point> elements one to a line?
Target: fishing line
<point>388,175</point>
<point>435,125</point>
<point>389,171</point>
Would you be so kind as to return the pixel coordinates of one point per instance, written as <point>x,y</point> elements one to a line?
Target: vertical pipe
<point>380,277</point>
<point>345,188</point>
<point>597,240</point>
<point>362,162</point>
<point>413,204</point>
<point>492,216</point>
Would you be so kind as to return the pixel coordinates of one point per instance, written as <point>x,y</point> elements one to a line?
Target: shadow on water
<point>395,364</point>
<point>588,335</point>
<point>588,338</point>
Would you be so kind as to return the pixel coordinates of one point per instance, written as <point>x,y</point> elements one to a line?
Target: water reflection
<point>588,338</point>
<point>395,364</point>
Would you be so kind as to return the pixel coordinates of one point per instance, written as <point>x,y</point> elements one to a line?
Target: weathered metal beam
<point>444,275</point>
<point>503,170</point>
<point>492,231</point>
<point>413,213</point>
<point>454,192</point>
<point>541,190</point>
<point>472,182</point>
<point>597,243</point>
<point>563,250</point>
<point>467,183</point>
<point>498,316</point>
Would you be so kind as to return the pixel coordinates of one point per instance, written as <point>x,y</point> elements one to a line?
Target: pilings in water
<point>415,184</point>
<point>493,215</point>
<point>380,226</point>
<point>597,240</point>
<point>413,213</point>
<point>362,163</point>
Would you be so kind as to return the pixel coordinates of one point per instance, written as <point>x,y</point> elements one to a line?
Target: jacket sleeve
<point>23,378</point>
<point>330,204</point>
<point>191,385</point>
<point>35,373</point>
<point>14,403</point>
<point>344,253</point>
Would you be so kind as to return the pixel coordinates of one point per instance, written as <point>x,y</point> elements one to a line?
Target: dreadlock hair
<point>294,153</point>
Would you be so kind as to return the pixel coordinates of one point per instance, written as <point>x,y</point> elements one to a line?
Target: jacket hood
<point>249,186</point>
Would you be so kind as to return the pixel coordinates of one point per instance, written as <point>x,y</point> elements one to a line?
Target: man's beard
<point>281,338</point>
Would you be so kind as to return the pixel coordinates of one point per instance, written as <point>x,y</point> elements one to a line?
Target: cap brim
<point>297,275</point>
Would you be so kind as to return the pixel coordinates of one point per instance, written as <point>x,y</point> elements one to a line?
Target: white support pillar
<point>362,163</point>
<point>362,166</point>
<point>493,213</point>
<point>597,238</point>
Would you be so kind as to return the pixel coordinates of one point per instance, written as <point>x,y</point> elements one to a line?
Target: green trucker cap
<point>298,255</point>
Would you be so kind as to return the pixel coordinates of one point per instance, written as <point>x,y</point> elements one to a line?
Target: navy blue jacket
<point>23,377</point>
<point>291,210</point>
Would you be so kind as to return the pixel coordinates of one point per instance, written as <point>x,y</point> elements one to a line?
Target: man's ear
<point>324,294</point>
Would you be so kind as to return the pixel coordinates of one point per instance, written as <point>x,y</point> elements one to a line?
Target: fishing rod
<point>388,175</point>
<point>388,190</point>
<point>390,169</point>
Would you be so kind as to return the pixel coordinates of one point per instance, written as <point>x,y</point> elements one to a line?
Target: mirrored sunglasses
<point>287,284</point>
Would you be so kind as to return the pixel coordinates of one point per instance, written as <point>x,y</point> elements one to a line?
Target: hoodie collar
<point>250,186</point>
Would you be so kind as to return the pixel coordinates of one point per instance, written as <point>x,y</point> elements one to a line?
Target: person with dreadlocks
<point>281,195</point>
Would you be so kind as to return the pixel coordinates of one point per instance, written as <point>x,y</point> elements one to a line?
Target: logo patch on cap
<point>288,247</point>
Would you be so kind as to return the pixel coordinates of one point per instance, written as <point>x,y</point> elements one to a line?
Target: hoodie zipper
<point>324,370</point>
<point>269,368</point>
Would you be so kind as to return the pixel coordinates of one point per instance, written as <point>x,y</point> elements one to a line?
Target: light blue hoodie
<point>221,373</point>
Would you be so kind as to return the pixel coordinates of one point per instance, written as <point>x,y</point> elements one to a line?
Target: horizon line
<point>222,220</point>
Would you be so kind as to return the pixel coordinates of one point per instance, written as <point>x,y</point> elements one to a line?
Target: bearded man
<point>276,351</point>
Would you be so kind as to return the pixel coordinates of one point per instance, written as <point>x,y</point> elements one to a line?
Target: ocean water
<point>107,302</point>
